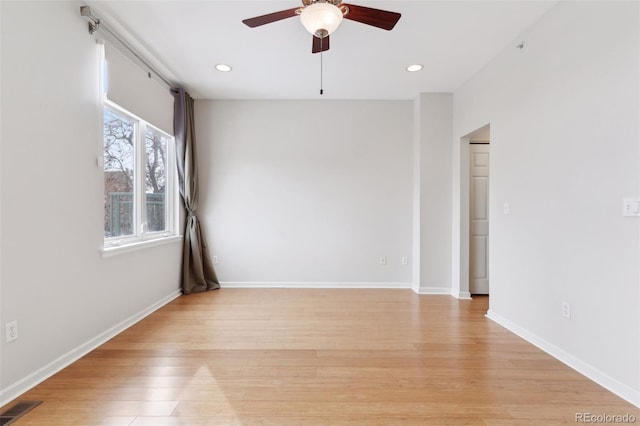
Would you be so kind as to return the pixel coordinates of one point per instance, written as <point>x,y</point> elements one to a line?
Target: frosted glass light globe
<point>321,19</point>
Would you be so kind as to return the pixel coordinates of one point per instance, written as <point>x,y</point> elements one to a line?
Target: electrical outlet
<point>214,259</point>
<point>405,261</point>
<point>566,310</point>
<point>11,331</point>
<point>383,260</point>
<point>630,207</point>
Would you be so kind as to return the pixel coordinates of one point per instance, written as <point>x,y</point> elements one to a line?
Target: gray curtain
<point>197,271</point>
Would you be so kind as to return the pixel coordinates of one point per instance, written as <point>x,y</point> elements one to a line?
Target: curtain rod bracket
<point>93,27</point>
<point>94,23</point>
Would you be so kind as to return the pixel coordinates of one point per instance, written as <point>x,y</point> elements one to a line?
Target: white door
<point>479,219</point>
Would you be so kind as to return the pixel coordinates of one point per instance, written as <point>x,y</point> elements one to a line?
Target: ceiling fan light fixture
<point>321,19</point>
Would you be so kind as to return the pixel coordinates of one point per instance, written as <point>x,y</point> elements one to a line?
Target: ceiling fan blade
<point>320,44</point>
<point>271,17</point>
<point>374,17</point>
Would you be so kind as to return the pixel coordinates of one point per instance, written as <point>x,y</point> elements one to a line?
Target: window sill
<point>139,245</point>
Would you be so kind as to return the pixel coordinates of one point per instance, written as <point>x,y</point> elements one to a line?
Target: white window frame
<point>141,237</point>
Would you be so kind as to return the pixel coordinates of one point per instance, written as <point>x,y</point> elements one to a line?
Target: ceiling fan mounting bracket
<point>338,3</point>
<point>310,2</point>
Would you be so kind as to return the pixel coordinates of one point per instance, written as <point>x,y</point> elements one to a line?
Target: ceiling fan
<point>322,17</point>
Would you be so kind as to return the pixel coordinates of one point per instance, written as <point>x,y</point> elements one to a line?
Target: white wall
<point>435,114</point>
<point>54,282</point>
<point>307,193</point>
<point>565,152</point>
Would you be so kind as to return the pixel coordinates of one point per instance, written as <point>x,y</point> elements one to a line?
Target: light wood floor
<point>318,357</point>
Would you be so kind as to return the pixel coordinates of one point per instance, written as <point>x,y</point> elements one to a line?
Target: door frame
<point>460,220</point>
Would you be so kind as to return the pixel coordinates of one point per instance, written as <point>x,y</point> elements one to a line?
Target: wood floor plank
<point>318,357</point>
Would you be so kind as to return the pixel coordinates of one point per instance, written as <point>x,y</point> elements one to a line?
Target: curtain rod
<point>96,24</point>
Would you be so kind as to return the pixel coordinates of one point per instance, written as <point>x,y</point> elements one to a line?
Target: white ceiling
<point>186,39</point>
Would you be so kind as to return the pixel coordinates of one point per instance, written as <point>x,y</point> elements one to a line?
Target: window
<point>139,179</point>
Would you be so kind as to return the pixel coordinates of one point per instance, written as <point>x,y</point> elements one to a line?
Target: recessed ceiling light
<point>414,67</point>
<point>223,67</point>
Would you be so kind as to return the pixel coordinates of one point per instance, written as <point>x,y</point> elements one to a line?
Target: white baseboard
<point>434,290</point>
<point>321,284</point>
<point>623,391</point>
<point>464,295</point>
<point>334,284</point>
<point>16,389</point>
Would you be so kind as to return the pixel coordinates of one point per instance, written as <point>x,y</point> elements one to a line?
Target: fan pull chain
<point>321,40</point>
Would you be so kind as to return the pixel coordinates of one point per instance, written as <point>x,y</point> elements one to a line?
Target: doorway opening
<point>473,260</point>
